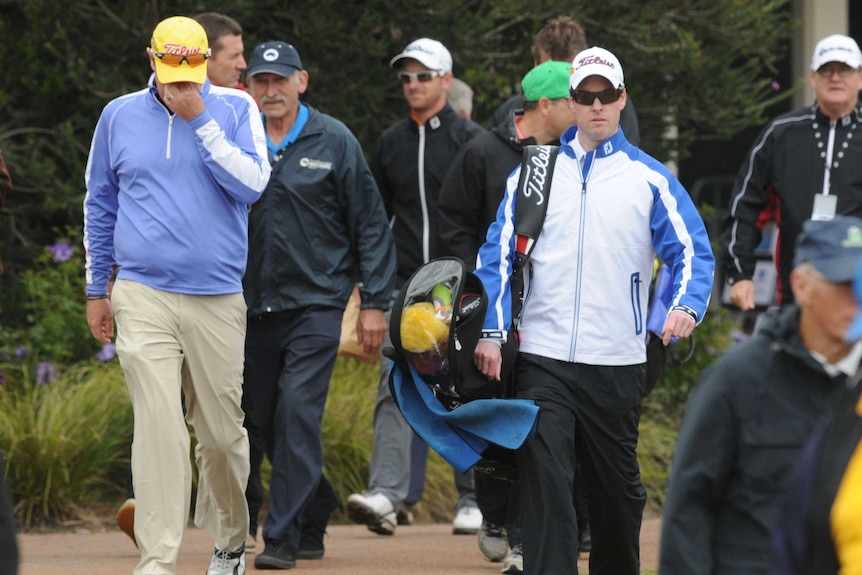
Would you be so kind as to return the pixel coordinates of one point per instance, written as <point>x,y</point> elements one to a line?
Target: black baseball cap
<point>274,57</point>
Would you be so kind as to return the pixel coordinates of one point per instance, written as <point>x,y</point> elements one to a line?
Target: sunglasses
<point>586,98</point>
<point>422,77</point>
<point>175,60</point>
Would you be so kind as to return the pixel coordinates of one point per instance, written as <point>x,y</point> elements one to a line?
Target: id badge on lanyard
<point>824,207</point>
<point>825,203</point>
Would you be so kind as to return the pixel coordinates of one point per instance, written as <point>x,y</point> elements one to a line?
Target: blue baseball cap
<point>855,331</point>
<point>833,247</point>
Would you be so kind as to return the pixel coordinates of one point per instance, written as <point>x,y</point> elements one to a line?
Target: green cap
<point>549,79</point>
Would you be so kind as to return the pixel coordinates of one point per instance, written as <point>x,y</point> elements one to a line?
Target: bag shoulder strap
<point>531,207</point>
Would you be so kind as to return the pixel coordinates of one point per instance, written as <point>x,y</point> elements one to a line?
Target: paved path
<point>350,550</point>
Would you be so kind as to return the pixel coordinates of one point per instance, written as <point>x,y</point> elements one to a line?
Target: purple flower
<point>20,352</point>
<point>61,252</point>
<point>107,353</point>
<point>776,86</point>
<point>45,372</point>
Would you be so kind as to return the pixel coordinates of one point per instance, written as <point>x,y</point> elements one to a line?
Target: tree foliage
<point>704,67</point>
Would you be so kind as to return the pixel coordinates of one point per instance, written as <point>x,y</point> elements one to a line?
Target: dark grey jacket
<point>319,228</point>
<point>746,422</point>
<point>474,187</point>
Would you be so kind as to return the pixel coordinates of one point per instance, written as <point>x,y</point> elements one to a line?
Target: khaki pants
<point>166,341</point>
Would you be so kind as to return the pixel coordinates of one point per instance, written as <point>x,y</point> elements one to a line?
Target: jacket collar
<point>821,118</point>
<point>781,327</point>
<point>508,132</point>
<point>444,117</point>
<point>606,148</point>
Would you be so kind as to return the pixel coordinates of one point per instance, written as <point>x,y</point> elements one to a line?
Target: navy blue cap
<point>274,57</point>
<point>855,331</point>
<point>833,247</point>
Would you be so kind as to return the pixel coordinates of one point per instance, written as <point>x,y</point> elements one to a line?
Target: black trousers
<point>588,415</point>
<point>498,501</point>
<point>289,361</point>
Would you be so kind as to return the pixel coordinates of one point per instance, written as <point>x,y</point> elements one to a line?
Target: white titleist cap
<point>596,61</point>
<point>431,53</point>
<point>836,48</point>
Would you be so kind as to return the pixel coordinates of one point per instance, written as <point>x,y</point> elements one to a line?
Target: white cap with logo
<point>428,52</point>
<point>596,61</point>
<point>836,48</point>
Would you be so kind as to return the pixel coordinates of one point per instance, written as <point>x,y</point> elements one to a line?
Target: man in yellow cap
<point>172,171</point>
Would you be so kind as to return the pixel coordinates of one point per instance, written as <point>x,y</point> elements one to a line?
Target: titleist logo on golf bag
<point>537,173</point>
<point>534,185</point>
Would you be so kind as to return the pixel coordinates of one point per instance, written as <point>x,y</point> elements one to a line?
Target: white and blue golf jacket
<point>587,282</point>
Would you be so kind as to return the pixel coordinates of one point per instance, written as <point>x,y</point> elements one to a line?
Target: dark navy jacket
<point>320,227</point>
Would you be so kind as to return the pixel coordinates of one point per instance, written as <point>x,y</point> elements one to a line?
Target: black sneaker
<point>311,542</point>
<point>276,555</point>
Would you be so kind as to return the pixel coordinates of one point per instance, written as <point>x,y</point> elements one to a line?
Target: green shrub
<point>56,326</point>
<point>67,442</point>
<point>347,425</point>
<point>712,338</point>
<point>658,432</point>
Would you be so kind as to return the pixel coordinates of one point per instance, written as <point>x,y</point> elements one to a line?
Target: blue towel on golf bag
<point>461,435</point>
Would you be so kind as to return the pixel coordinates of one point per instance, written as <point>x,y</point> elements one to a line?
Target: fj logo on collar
<point>609,147</point>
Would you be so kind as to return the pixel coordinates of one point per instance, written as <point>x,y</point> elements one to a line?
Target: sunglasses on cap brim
<point>586,98</point>
<point>176,60</point>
